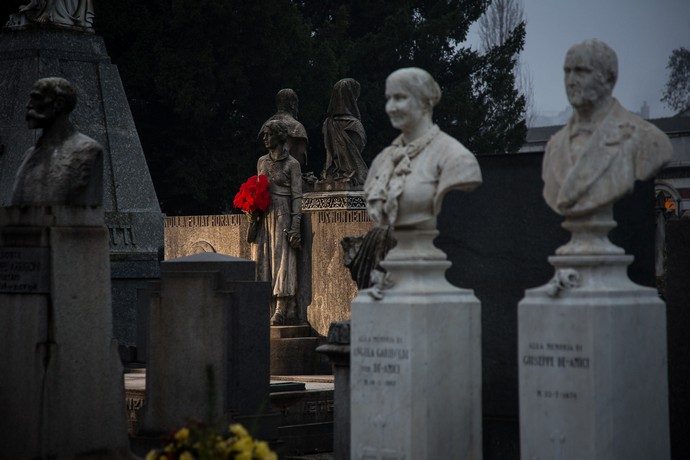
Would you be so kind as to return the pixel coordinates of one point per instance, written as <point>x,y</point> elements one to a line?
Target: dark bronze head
<point>287,101</point>
<point>50,98</point>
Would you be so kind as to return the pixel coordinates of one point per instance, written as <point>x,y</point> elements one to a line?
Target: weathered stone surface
<point>596,158</point>
<point>593,353</point>
<point>416,361</point>
<point>287,108</point>
<point>61,388</point>
<point>416,339</point>
<point>103,114</point>
<point>338,351</point>
<point>331,288</point>
<point>222,234</point>
<point>68,14</point>
<point>64,167</point>
<point>293,352</point>
<point>344,139</point>
<point>25,270</point>
<point>591,343</point>
<point>223,371</point>
<point>278,240</point>
<point>327,219</point>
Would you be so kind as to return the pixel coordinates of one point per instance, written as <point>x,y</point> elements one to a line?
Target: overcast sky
<point>642,32</point>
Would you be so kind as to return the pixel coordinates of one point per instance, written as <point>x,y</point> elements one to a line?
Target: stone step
<point>298,356</point>
<point>289,332</point>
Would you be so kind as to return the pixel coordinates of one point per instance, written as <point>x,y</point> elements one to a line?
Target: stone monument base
<point>289,342</point>
<point>416,361</point>
<point>61,389</point>
<point>325,286</point>
<point>592,364</point>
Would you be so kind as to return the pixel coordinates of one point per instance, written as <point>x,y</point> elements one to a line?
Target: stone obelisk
<point>66,46</point>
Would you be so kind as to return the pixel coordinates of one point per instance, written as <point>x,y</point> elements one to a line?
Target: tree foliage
<point>677,91</point>
<point>201,78</point>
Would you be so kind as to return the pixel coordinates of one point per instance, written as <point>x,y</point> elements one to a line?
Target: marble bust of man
<point>65,167</point>
<point>595,159</point>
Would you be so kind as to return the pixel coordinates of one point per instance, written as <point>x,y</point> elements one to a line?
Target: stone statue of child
<point>65,167</point>
<point>596,157</point>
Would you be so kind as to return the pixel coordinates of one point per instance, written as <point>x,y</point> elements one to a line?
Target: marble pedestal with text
<point>328,288</point>
<point>416,361</point>
<point>592,363</point>
<point>61,388</point>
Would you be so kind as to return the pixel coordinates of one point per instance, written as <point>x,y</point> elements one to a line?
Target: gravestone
<point>337,349</point>
<point>678,319</point>
<point>591,343</point>
<point>132,213</point>
<point>208,341</point>
<point>61,388</point>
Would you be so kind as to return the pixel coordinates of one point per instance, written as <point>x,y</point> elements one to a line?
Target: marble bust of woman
<point>408,179</point>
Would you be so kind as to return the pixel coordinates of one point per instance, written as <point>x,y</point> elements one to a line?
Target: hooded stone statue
<point>287,105</point>
<point>344,136</point>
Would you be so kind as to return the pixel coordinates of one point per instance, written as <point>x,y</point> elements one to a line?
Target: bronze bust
<point>65,167</point>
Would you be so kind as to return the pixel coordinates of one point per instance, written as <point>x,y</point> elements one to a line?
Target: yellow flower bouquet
<point>199,442</point>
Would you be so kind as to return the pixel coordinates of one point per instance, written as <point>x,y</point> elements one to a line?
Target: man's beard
<point>35,120</point>
<point>587,96</point>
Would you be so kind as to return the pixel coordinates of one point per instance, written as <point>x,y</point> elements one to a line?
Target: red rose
<point>254,195</point>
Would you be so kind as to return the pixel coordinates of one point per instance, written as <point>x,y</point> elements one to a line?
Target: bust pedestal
<point>416,360</point>
<point>592,356</point>
<point>61,388</point>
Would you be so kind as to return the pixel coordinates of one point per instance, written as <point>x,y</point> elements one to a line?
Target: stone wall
<point>325,286</point>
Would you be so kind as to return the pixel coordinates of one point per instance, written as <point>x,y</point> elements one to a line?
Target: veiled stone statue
<point>344,136</point>
<point>287,105</point>
<point>603,149</point>
<point>65,167</point>
<point>279,237</point>
<point>61,13</point>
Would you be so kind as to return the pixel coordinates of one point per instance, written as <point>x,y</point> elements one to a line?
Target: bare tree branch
<point>495,26</point>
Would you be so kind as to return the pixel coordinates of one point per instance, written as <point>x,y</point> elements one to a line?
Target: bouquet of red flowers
<point>253,199</point>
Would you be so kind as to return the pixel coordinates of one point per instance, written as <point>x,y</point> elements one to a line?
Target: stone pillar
<point>61,386</point>
<point>592,356</point>
<point>328,218</point>
<point>208,342</point>
<point>338,351</point>
<point>416,360</point>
